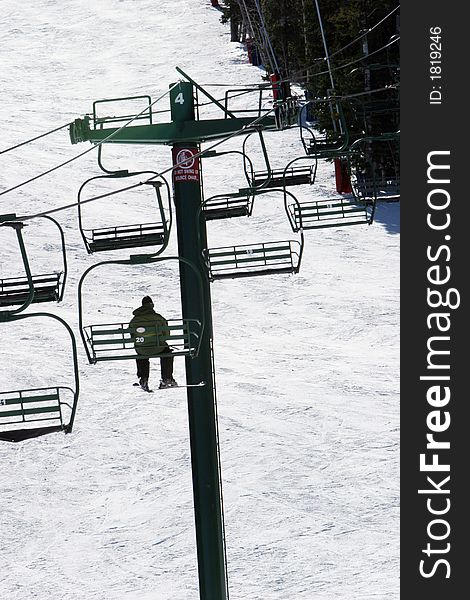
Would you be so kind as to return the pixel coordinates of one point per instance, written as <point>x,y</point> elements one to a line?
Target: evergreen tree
<point>360,64</point>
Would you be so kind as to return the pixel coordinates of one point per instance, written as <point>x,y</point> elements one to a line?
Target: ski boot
<point>144,384</point>
<point>167,383</point>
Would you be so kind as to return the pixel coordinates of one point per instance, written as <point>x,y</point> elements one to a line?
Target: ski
<point>182,385</point>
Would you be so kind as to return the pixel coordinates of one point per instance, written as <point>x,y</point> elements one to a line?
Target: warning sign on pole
<point>187,168</point>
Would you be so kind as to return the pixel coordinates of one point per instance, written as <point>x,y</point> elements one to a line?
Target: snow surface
<point>307,365</point>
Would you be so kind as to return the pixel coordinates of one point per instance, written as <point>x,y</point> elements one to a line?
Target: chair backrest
<point>253,259</point>
<point>28,413</point>
<point>15,290</point>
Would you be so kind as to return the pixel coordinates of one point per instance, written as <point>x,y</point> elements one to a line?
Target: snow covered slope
<point>307,365</point>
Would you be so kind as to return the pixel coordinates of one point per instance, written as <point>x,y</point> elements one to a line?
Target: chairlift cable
<point>353,62</point>
<point>355,40</point>
<point>106,139</point>
<point>318,60</point>
<point>247,15</point>
<point>268,45</point>
<point>34,139</point>
<point>382,89</point>
<point>325,47</point>
<point>365,33</point>
<point>257,36</point>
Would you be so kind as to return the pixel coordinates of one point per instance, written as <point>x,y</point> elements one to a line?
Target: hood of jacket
<point>145,309</point>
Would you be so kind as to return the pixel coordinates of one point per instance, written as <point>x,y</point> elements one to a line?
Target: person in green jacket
<point>150,332</point>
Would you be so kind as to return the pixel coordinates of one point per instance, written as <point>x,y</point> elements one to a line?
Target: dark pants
<point>166,365</point>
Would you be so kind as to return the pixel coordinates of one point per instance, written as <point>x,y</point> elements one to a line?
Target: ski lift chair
<point>273,178</point>
<point>128,236</point>
<point>231,204</point>
<point>46,287</point>
<point>329,145</point>
<point>250,260</point>
<point>337,211</point>
<point>330,212</point>
<point>30,413</point>
<point>33,412</point>
<point>117,341</point>
<point>290,176</point>
<point>369,184</point>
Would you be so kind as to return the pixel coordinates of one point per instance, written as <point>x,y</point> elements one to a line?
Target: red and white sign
<point>186,165</point>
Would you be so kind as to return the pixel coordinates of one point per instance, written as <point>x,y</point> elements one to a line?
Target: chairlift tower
<point>185,133</point>
<point>191,231</point>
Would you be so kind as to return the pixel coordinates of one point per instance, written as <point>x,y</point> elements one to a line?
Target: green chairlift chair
<point>377,110</point>
<point>44,287</point>
<point>32,412</point>
<point>225,206</point>
<point>328,145</point>
<point>139,235</point>
<point>273,178</point>
<point>250,260</point>
<point>371,183</point>
<point>330,212</point>
<point>338,211</point>
<point>231,204</point>
<point>117,341</point>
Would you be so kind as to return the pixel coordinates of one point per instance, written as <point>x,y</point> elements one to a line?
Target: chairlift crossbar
<point>24,412</point>
<point>26,399</point>
<point>126,229</point>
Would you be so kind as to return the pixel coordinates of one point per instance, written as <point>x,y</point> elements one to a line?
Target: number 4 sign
<point>179,98</point>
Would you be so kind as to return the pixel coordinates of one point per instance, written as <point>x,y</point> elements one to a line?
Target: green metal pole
<point>201,406</point>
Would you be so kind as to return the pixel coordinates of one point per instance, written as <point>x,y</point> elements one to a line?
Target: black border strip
<point>434,209</point>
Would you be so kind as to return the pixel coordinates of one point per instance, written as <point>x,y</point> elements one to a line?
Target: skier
<point>150,333</point>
